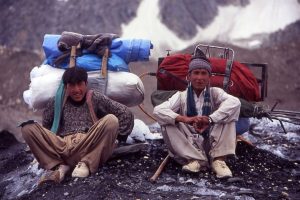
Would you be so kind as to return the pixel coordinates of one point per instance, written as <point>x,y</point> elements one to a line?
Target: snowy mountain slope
<point>168,23</point>
<point>235,24</point>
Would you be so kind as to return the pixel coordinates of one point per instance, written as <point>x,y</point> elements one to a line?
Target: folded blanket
<point>92,43</point>
<point>95,44</point>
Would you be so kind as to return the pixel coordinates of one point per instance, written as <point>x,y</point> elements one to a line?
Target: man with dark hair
<point>74,75</point>
<point>86,133</point>
<point>198,111</point>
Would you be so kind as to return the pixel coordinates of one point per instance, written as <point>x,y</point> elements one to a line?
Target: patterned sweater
<point>76,116</point>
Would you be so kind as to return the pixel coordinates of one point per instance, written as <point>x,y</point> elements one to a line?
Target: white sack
<point>141,132</point>
<point>123,87</point>
<point>44,70</point>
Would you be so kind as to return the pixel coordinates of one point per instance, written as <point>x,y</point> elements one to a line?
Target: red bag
<point>173,70</point>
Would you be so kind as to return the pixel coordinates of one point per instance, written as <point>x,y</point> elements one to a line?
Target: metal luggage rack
<point>210,51</point>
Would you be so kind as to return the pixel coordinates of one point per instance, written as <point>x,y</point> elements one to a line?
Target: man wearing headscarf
<point>198,124</point>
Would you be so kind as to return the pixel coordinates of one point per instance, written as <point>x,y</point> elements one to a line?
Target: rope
<point>141,105</point>
<point>144,111</point>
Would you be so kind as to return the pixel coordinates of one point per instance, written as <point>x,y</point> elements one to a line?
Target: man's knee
<point>111,122</point>
<point>27,130</point>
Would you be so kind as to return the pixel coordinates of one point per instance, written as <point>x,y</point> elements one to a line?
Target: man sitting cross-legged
<point>80,140</point>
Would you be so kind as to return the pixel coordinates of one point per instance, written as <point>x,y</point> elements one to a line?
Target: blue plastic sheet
<point>88,61</point>
<point>131,50</point>
<point>123,51</point>
<point>92,62</point>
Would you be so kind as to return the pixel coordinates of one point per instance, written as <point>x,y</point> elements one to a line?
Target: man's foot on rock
<point>221,169</point>
<point>81,170</point>
<point>56,176</point>
<point>63,170</point>
<point>193,166</point>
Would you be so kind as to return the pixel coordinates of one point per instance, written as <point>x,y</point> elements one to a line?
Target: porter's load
<point>123,51</point>
<point>123,87</point>
<point>173,70</point>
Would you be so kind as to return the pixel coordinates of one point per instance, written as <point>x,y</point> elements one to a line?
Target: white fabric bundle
<point>123,87</point>
<point>141,133</point>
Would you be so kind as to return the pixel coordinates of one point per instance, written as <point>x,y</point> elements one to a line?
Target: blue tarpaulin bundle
<point>131,50</point>
<point>123,51</point>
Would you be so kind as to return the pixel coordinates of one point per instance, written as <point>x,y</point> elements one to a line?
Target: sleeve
<point>48,114</point>
<point>227,107</point>
<point>105,105</point>
<point>167,111</point>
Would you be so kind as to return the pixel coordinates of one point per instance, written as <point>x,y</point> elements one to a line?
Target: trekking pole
<point>159,170</point>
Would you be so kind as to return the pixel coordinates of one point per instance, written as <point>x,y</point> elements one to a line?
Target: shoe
<point>221,169</point>
<point>193,166</point>
<point>56,176</point>
<point>81,170</point>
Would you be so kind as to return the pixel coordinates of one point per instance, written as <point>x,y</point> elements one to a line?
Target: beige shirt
<point>225,107</point>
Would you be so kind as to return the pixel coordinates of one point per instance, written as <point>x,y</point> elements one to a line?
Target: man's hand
<point>200,123</point>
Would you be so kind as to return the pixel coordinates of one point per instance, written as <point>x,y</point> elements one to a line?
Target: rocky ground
<point>258,173</point>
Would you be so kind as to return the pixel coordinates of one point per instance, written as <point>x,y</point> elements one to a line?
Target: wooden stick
<point>159,170</point>
<point>73,57</point>
<point>242,139</point>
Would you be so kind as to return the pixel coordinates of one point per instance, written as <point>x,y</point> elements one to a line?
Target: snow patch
<point>270,136</point>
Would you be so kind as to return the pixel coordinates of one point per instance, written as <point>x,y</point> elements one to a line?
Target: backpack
<point>239,81</point>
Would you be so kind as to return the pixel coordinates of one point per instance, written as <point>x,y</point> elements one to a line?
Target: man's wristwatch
<point>211,122</point>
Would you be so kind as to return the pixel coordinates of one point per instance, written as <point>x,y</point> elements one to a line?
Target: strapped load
<point>104,56</point>
<point>89,55</point>
<point>123,87</point>
<point>234,77</point>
